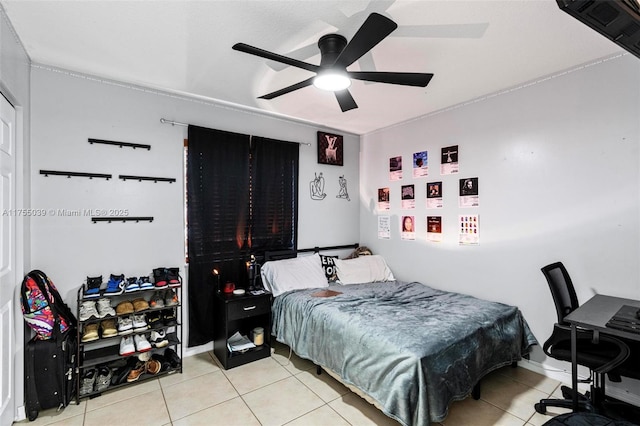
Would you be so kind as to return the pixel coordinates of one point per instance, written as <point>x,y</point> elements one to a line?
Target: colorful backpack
<point>43,308</point>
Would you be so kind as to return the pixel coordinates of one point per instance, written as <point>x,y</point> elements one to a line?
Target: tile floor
<point>282,391</point>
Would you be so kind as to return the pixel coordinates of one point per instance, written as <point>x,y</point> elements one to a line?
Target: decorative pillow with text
<point>329,266</point>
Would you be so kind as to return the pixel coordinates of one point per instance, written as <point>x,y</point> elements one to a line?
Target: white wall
<point>557,163</point>
<point>68,108</point>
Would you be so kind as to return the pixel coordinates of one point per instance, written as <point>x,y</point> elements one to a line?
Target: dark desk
<point>594,315</point>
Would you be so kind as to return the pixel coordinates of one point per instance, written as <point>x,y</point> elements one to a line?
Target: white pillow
<point>364,269</point>
<point>299,273</point>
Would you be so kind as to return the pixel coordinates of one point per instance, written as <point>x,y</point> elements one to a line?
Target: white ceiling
<point>473,48</point>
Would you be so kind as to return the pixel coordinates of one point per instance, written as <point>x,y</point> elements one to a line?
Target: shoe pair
<point>90,309</point>
<point>133,323</point>
<point>115,286</point>
<point>164,277</point>
<point>130,344</point>
<point>151,366</point>
<point>92,287</point>
<point>164,318</point>
<point>137,284</point>
<point>162,299</point>
<point>95,379</point>
<point>107,328</point>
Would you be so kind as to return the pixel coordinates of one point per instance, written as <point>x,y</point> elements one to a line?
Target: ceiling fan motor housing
<point>331,45</point>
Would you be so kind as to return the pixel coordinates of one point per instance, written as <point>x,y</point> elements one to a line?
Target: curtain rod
<point>176,123</point>
<point>173,123</point>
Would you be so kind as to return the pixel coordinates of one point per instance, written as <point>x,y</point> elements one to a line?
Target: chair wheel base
<point>541,408</point>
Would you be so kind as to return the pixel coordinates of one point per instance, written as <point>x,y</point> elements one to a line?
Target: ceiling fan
<point>336,55</point>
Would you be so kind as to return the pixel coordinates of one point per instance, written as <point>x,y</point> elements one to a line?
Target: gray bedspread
<point>411,348</point>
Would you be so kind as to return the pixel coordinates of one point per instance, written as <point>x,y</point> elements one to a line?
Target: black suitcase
<point>50,373</point>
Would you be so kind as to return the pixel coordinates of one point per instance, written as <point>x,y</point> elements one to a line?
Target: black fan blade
<point>241,47</point>
<point>372,32</point>
<point>403,78</point>
<point>345,100</point>
<point>288,89</point>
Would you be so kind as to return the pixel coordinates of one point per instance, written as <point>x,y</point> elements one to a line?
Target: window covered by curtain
<point>241,200</point>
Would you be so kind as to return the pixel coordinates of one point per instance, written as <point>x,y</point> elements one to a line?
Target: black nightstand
<point>241,314</point>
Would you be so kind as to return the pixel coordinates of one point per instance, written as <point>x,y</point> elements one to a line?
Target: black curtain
<point>274,195</point>
<point>217,218</point>
<point>242,199</point>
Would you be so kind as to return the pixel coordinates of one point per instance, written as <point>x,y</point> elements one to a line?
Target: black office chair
<point>600,356</point>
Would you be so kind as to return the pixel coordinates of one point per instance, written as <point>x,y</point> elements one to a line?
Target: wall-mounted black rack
<point>122,219</point>
<point>78,174</point>
<point>121,144</point>
<point>141,178</point>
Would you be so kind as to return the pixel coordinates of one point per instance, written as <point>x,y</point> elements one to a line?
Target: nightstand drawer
<point>248,307</point>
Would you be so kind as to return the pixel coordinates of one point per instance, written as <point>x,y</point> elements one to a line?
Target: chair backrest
<point>561,286</point>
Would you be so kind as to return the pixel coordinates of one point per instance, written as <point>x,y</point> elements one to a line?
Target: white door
<point>7,258</point>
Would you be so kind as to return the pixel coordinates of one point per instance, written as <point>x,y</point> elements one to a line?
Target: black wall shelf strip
<point>121,144</point>
<point>122,219</point>
<point>78,174</point>
<point>141,178</point>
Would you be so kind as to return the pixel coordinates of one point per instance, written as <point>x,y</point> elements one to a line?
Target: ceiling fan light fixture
<point>332,81</point>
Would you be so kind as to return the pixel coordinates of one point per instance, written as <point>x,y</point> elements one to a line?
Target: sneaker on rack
<point>139,323</point>
<point>115,286</point>
<point>156,301</point>
<point>169,317</point>
<point>140,305</point>
<point>154,319</point>
<point>125,325</point>
<point>160,277</point>
<point>108,328</point>
<point>88,310</point>
<point>142,344</point>
<point>132,285</point>
<point>104,307</point>
<point>144,283</point>
<point>125,307</point>
<point>159,338</point>
<point>126,346</point>
<point>92,289</point>
<point>173,277</point>
<point>171,298</point>
<point>103,381</point>
<point>90,332</point>
<point>87,381</point>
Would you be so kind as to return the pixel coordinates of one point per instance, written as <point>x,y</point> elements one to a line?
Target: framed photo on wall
<point>330,149</point>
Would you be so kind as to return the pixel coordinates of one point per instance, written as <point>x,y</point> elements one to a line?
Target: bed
<point>408,348</point>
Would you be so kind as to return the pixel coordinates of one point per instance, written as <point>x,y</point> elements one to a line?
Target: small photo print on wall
<point>449,160</point>
<point>330,149</point>
<point>384,227</point>
<point>407,228</point>
<point>395,168</point>
<point>408,197</point>
<point>383,199</point>
<point>469,193</point>
<point>434,229</point>
<point>469,229</point>
<point>434,195</point>
<point>420,164</point>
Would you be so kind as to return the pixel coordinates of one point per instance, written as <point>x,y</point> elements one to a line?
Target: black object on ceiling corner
<point>618,20</point>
